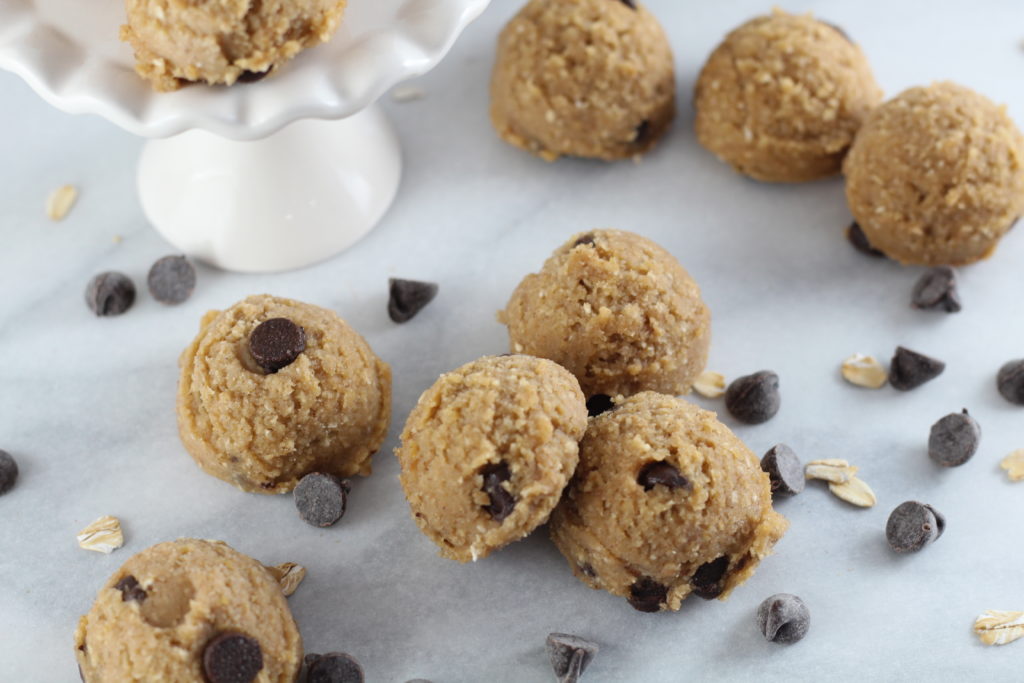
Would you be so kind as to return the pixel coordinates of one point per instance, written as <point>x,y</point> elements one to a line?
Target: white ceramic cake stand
<point>258,177</point>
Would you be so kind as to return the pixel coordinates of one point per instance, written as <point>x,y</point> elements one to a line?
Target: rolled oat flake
<point>954,439</point>
<point>912,526</point>
<point>1010,381</point>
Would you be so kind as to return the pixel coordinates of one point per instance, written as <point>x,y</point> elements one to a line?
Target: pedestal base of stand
<point>292,199</point>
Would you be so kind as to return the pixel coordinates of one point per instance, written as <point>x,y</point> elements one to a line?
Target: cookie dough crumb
<point>782,97</point>
<point>584,78</point>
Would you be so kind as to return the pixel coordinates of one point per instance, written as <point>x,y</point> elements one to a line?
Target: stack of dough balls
<point>782,97</point>
<point>326,410</point>
<point>936,176</point>
<point>189,610</point>
<point>179,41</point>
<point>617,311</point>
<point>584,78</point>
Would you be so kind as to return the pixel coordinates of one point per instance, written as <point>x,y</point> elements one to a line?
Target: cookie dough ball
<point>617,311</point>
<point>665,502</point>
<point>326,410</point>
<point>935,176</point>
<point>488,450</point>
<point>585,78</point>
<point>781,98</point>
<point>174,605</point>
<point>176,41</point>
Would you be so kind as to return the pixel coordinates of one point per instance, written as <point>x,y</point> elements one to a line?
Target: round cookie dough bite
<point>617,311</point>
<point>223,42</point>
<point>189,610</point>
<point>936,176</point>
<point>488,450</point>
<point>782,96</point>
<point>665,502</point>
<point>272,389</point>
<point>584,78</point>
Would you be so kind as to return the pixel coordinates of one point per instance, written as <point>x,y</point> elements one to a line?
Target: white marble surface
<point>86,404</point>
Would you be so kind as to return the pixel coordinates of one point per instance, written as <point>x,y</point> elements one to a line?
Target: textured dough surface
<point>617,311</point>
<point>586,78</point>
<point>326,412</point>
<point>614,533</point>
<point>527,413</point>
<point>781,98</point>
<point>935,176</point>
<point>216,41</point>
<point>195,590</point>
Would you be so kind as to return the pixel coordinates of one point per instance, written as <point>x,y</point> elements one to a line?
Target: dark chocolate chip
<point>502,502</point>
<point>783,618</point>
<point>8,472</point>
<point>912,526</point>
<point>333,667</point>
<point>1010,381</point>
<point>936,290</point>
<point>232,658</point>
<point>707,580</point>
<point>171,280</point>
<point>587,570</point>
<point>570,655</point>
<point>954,439</point>
<point>276,343</point>
<point>859,240</point>
<point>629,3</point>
<point>406,298</point>
<point>647,595</point>
<point>599,403</point>
<point>584,239</point>
<point>910,369</point>
<point>754,398</point>
<point>254,76</point>
<point>661,473</point>
<point>643,133</point>
<point>785,471</point>
<point>110,293</point>
<point>130,589</point>
<point>321,498</point>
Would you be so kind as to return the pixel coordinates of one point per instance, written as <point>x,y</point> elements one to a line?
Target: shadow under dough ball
<point>583,78</point>
<point>782,97</point>
<point>936,176</point>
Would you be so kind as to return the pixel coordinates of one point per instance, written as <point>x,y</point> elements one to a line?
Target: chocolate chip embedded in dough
<point>232,658</point>
<point>855,235</point>
<point>599,403</point>
<point>661,473</point>
<point>502,502</point>
<point>707,580</point>
<point>647,595</point>
<point>276,343</point>
<point>130,589</point>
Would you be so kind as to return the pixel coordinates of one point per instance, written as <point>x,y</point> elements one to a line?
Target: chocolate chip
<point>912,526</point>
<point>130,589</point>
<point>406,298</point>
<point>629,3</point>
<point>570,655</point>
<point>859,240</point>
<point>910,369</point>
<point>661,473</point>
<point>276,343</point>
<point>954,439</point>
<point>254,76</point>
<point>754,398</point>
<point>599,403</point>
<point>587,570</point>
<point>321,498</point>
<point>110,293</point>
<point>171,280</point>
<point>8,472</point>
<point>783,618</point>
<point>643,133</point>
<point>502,502</point>
<point>707,580</point>
<point>1010,381</point>
<point>333,667</point>
<point>936,290</point>
<point>647,595</point>
<point>785,471</point>
<point>585,239</point>
<point>232,658</point>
